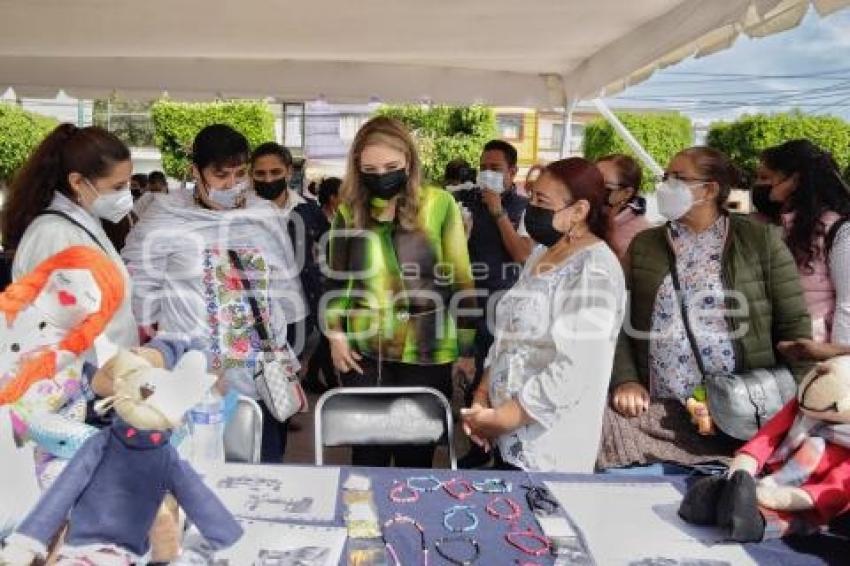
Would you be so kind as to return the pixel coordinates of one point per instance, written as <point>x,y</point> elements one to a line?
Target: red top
<point>828,485</point>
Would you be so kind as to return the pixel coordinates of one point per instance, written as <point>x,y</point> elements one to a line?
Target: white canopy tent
<point>538,54</point>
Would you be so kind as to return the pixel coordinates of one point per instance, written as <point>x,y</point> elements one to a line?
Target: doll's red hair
<point>24,291</point>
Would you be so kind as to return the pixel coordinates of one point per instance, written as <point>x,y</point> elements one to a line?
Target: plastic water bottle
<point>207,422</point>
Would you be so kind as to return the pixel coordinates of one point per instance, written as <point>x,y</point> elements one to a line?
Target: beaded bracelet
<point>492,485</point>
<point>540,500</point>
<point>455,509</point>
<point>396,493</point>
<point>513,537</point>
<point>398,518</point>
<point>441,542</point>
<point>413,483</point>
<point>514,513</point>
<point>468,490</point>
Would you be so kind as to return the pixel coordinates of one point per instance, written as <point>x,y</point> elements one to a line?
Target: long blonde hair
<point>390,133</point>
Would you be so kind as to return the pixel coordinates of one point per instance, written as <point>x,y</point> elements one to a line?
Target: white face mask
<point>113,206</point>
<point>228,198</point>
<point>461,187</point>
<point>675,198</point>
<point>492,180</point>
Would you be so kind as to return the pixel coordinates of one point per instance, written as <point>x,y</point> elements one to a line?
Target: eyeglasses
<point>667,175</point>
<point>615,187</point>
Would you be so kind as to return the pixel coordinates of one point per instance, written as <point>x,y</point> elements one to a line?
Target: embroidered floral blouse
<point>674,372</point>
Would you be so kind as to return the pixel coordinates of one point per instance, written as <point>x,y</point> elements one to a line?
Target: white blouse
<point>554,347</point>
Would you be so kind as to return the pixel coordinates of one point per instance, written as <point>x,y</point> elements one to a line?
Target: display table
<point>490,533</point>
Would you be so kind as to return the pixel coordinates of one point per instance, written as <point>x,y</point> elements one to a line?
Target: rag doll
<point>112,490</point>
<point>793,476</point>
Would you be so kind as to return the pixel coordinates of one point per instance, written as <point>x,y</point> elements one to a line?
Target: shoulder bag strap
<point>259,326</point>
<point>70,219</point>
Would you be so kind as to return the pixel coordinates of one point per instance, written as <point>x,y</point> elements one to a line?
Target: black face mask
<point>270,190</point>
<point>762,202</point>
<point>385,186</point>
<point>538,224</point>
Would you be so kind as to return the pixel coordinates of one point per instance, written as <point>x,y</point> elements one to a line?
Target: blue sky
<point>807,67</point>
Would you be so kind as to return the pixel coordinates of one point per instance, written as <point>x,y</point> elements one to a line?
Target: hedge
<point>20,132</point>
<point>177,123</point>
<point>662,135</point>
<point>444,133</point>
<point>744,139</point>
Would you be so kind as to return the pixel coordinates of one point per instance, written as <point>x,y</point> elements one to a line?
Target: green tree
<point>444,133</point>
<point>744,139</point>
<point>20,132</point>
<point>177,123</point>
<point>663,135</point>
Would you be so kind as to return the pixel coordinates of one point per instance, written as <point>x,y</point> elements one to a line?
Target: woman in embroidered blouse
<point>542,397</point>
<point>399,263</point>
<point>741,289</point>
<point>799,187</point>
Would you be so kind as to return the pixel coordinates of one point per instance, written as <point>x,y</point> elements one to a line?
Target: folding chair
<point>383,416</point>
<point>243,434</point>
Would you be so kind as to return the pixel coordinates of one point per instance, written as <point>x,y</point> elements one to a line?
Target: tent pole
<point>627,136</point>
<point>567,131</point>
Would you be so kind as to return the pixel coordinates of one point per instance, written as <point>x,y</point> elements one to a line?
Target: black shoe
<point>738,512</point>
<point>475,458</point>
<point>699,506</point>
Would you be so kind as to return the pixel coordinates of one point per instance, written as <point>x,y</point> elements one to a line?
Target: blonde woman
<point>399,266</point>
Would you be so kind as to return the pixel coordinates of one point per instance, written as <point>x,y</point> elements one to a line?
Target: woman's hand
<point>490,423</point>
<point>480,400</point>
<point>344,358</point>
<point>630,399</point>
<point>480,424</point>
<point>806,350</point>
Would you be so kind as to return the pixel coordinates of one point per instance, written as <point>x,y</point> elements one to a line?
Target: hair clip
<point>468,490</point>
<point>514,538</point>
<point>397,490</point>
<point>455,509</point>
<point>492,485</point>
<point>515,511</point>
<point>440,543</point>
<point>414,483</point>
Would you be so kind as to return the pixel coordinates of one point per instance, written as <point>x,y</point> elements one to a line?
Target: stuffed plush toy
<point>52,316</point>
<point>112,490</point>
<point>793,477</point>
